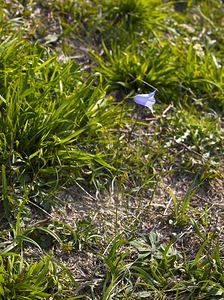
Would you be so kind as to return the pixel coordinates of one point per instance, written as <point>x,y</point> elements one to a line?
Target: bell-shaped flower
<point>146,100</point>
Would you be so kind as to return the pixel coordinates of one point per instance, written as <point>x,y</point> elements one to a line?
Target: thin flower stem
<point>134,124</point>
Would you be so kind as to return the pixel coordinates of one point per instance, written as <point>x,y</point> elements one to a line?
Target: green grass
<point>145,218</point>
<point>52,114</point>
<point>34,280</point>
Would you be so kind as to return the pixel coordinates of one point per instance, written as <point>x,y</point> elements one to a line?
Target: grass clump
<point>33,280</point>
<point>50,112</point>
<point>128,69</point>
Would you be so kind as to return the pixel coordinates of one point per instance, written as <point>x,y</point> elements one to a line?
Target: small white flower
<point>146,100</point>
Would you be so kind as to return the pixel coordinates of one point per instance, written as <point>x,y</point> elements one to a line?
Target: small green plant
<point>83,236</point>
<point>181,206</point>
<point>34,280</point>
<point>147,268</point>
